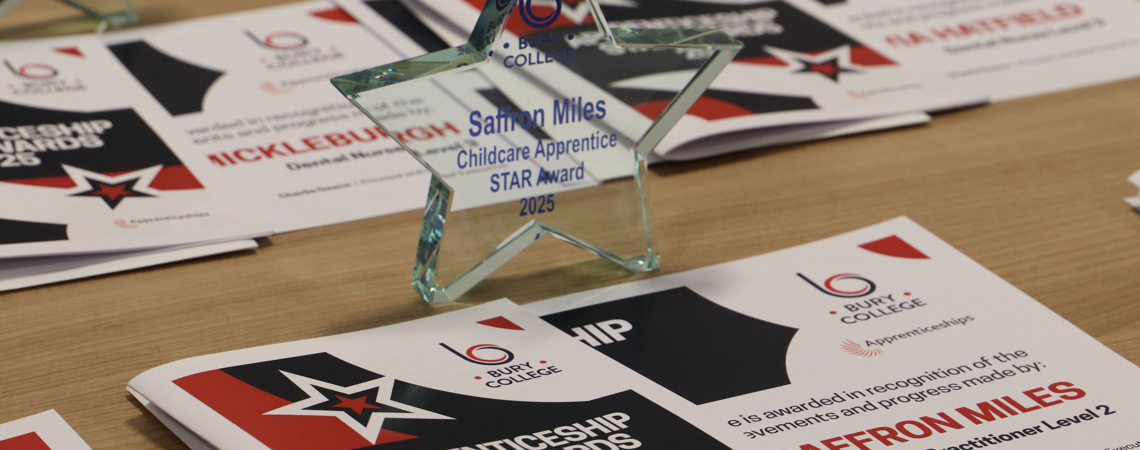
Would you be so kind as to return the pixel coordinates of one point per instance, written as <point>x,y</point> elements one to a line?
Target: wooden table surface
<point>1031,189</point>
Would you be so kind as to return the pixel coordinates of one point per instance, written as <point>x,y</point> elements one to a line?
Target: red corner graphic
<point>894,246</point>
<point>245,406</point>
<point>170,178</point>
<point>30,441</point>
<point>707,108</point>
<point>335,14</point>
<point>388,436</point>
<point>73,51</point>
<point>501,322</point>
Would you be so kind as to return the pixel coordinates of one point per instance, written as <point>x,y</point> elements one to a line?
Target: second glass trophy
<point>536,135</point>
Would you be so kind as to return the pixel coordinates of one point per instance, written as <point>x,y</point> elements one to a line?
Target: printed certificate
<point>882,338</point>
<point>489,377</point>
<point>90,163</point>
<point>1003,49</point>
<point>19,273</point>
<point>253,96</point>
<point>794,68</point>
<point>43,431</point>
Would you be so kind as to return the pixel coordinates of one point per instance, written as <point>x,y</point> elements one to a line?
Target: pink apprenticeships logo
<point>853,348</point>
<point>122,223</point>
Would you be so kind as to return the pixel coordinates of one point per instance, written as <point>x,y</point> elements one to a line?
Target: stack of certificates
<point>884,337</point>
<point>1134,201</point>
<point>878,337</point>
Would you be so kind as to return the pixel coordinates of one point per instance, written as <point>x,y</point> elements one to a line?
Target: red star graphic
<point>825,68</point>
<point>829,68</point>
<point>360,406</point>
<point>357,405</point>
<point>113,194</point>
<point>111,191</point>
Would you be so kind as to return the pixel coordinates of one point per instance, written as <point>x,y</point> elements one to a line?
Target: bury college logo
<point>489,354</point>
<point>33,71</point>
<point>280,40</point>
<point>536,21</point>
<point>39,78</point>
<point>844,285</point>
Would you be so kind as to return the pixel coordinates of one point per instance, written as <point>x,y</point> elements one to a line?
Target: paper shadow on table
<point>151,428</point>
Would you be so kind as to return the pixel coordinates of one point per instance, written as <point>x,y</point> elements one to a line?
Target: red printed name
<point>986,26</point>
<point>927,426</point>
<point>326,142</point>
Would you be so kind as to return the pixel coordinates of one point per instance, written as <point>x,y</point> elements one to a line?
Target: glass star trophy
<point>539,133</point>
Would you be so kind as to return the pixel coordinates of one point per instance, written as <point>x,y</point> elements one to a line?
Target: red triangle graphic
<point>170,178</point>
<point>74,51</point>
<point>29,441</point>
<point>762,60</point>
<point>707,108</point>
<point>501,322</point>
<point>864,56</point>
<point>894,246</point>
<point>336,14</point>
<point>389,436</point>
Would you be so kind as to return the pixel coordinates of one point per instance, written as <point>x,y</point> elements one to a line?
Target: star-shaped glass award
<point>540,133</point>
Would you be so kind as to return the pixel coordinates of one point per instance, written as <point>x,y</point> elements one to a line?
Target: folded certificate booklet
<point>19,273</point>
<point>794,69</point>
<point>43,431</point>
<point>1134,201</point>
<point>1003,49</point>
<point>253,97</point>
<point>882,338</point>
<point>89,162</point>
<point>488,377</point>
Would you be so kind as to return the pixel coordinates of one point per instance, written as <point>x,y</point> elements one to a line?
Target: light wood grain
<point>1031,189</point>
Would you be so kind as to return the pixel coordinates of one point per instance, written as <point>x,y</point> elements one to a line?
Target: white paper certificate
<point>19,273</point>
<point>43,431</point>
<point>793,70</point>
<point>1004,49</point>
<point>89,162</point>
<point>490,377</point>
<point>1134,201</point>
<point>252,91</point>
<point>882,338</point>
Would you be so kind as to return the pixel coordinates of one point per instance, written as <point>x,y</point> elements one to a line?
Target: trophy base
<point>436,295</point>
<point>424,274</point>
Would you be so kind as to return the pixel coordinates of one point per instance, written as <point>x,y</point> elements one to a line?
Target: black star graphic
<point>829,68</point>
<point>113,194</point>
<point>359,405</point>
